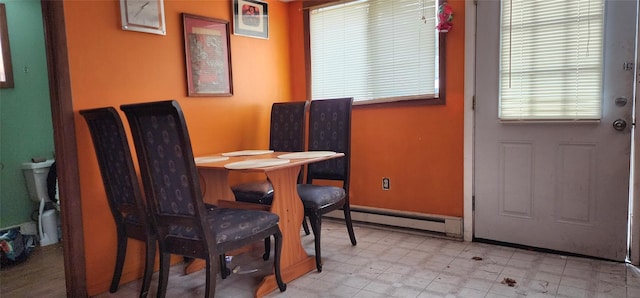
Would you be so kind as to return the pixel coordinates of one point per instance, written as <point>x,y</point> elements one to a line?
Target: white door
<point>556,185</point>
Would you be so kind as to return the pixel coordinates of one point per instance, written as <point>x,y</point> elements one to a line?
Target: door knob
<point>619,124</point>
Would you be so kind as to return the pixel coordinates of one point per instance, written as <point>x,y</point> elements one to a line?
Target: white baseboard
<point>449,226</point>
<point>26,228</point>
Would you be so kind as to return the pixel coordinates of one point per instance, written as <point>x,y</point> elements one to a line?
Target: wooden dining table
<point>295,261</point>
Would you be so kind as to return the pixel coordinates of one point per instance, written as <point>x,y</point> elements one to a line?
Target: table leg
<point>215,185</point>
<point>295,261</point>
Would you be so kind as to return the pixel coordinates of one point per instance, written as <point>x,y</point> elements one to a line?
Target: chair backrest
<point>116,167</point>
<point>330,130</point>
<point>287,126</point>
<point>170,177</point>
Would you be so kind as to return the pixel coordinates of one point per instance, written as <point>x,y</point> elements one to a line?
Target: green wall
<point>26,129</point>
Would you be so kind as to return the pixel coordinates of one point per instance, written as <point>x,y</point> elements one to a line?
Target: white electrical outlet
<point>385,183</point>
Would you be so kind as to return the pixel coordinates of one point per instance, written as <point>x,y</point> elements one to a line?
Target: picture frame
<point>207,56</point>
<point>143,16</point>
<point>251,18</point>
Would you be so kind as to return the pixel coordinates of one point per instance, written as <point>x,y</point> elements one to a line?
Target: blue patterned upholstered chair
<point>123,192</point>
<point>286,134</point>
<point>185,225</point>
<point>329,130</point>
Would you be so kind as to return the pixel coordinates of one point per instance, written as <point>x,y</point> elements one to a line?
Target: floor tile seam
<point>480,268</point>
<point>304,288</point>
<point>591,286</point>
<point>521,290</point>
<point>430,281</point>
<point>593,293</point>
<point>466,279</point>
<point>603,282</point>
<point>589,279</point>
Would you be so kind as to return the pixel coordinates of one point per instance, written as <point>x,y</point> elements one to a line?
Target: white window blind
<point>374,49</point>
<point>551,59</point>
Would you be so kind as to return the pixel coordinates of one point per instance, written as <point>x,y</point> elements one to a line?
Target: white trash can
<point>49,227</point>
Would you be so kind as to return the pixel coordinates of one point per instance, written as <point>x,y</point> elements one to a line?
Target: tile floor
<point>392,263</point>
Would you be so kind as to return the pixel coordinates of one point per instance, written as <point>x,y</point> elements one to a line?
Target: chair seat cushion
<point>257,192</point>
<point>231,224</point>
<point>318,196</point>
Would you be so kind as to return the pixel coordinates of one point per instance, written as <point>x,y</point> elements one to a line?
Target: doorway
<point>65,146</point>
<point>559,185</point>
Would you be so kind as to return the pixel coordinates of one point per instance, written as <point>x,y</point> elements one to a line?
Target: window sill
<point>550,121</point>
<point>403,100</point>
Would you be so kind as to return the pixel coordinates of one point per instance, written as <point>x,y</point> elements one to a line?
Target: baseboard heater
<point>446,225</point>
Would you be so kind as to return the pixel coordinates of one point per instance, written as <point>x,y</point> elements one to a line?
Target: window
<point>6,72</point>
<point>551,60</point>
<point>375,50</point>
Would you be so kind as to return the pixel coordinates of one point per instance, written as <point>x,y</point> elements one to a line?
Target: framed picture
<point>208,56</point>
<point>251,18</point>
<point>143,16</point>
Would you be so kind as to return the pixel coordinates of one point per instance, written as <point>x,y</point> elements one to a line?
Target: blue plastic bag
<point>12,248</point>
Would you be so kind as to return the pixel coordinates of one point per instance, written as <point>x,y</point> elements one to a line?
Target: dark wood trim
<point>65,146</point>
<point>307,51</point>
<point>400,103</point>
<point>310,4</point>
<point>442,62</point>
<point>6,49</point>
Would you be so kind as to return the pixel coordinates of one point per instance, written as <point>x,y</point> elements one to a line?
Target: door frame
<point>65,147</point>
<point>469,116</point>
<point>469,137</point>
<point>634,242</point>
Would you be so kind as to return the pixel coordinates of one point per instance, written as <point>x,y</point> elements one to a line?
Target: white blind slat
<point>551,63</point>
<point>372,49</point>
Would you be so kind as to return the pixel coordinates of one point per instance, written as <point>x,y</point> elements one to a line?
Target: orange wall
<point>111,67</point>
<point>418,147</point>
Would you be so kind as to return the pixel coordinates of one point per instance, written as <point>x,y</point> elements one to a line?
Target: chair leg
<point>347,219</point>
<point>210,287</point>
<point>224,271</point>
<point>267,248</point>
<point>148,265</point>
<point>316,226</point>
<point>305,226</point>
<point>120,255</point>
<point>276,260</point>
<point>164,273</point>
